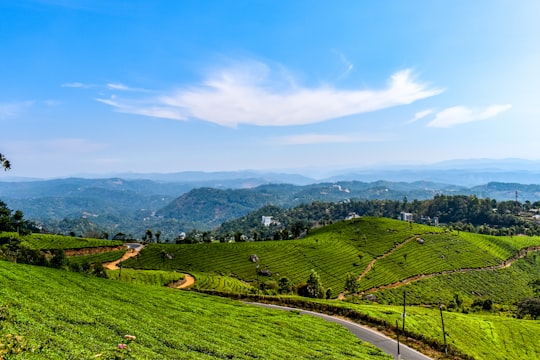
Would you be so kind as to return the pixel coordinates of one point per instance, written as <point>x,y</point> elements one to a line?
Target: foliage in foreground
<point>479,336</point>
<point>482,336</point>
<point>61,315</point>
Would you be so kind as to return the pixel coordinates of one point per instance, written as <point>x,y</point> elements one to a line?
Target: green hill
<point>502,286</point>
<point>378,251</point>
<point>53,314</point>
<point>333,251</point>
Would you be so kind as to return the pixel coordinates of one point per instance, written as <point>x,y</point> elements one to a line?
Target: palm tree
<point>4,162</point>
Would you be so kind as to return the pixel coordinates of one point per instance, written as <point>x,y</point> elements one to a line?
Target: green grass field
<point>64,315</point>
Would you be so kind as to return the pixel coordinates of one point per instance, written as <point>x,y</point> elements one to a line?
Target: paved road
<point>381,341</point>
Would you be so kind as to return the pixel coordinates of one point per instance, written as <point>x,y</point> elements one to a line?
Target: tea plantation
<point>53,314</point>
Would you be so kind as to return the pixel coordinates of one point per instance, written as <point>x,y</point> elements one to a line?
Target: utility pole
<point>258,284</point>
<point>404,315</point>
<point>443,331</point>
<point>397,333</point>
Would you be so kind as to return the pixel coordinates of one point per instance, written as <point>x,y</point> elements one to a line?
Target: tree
<point>351,285</point>
<point>536,287</point>
<point>284,285</point>
<point>59,259</point>
<point>4,163</point>
<point>315,287</point>
<point>529,306</point>
<point>148,235</point>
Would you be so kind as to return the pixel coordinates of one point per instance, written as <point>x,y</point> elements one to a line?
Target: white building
<point>405,216</point>
<point>267,220</point>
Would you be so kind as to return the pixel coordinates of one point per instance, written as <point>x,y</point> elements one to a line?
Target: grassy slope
<point>97,258</point>
<point>344,247</point>
<point>503,286</point>
<point>332,251</point>
<point>146,277</point>
<point>50,242</point>
<point>63,315</point>
<point>483,336</point>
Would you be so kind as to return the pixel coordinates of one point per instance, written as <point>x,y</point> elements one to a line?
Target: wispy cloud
<point>459,115</point>
<point>349,66</point>
<point>13,109</point>
<point>143,108</point>
<point>420,115</point>
<point>78,85</point>
<point>249,94</point>
<point>122,87</point>
<point>306,139</point>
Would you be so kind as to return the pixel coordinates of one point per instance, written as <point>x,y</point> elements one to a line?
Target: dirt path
<point>129,253</point>
<point>505,264</point>
<point>186,282</point>
<point>372,262</point>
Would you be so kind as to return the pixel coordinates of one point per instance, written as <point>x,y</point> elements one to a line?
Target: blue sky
<point>165,86</point>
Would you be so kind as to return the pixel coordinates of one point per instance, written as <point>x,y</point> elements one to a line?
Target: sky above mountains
<point>164,86</point>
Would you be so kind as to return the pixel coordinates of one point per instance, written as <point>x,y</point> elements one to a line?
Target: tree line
<point>459,212</point>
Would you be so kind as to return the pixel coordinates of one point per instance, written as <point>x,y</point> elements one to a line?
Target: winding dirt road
<point>186,282</point>
<point>133,250</point>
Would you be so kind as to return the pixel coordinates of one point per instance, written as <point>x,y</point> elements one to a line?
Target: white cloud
<point>14,108</point>
<point>122,87</point>
<point>157,111</point>
<point>305,139</point>
<point>78,85</point>
<point>248,94</point>
<point>420,115</point>
<point>458,115</point>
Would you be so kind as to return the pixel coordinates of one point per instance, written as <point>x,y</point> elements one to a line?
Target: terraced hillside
<point>380,252</point>
<point>52,242</point>
<point>332,251</point>
<point>503,286</point>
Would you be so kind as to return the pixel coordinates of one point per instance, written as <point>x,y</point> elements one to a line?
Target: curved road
<point>133,250</point>
<point>381,341</point>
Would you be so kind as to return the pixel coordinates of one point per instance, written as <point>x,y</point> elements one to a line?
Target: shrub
<point>529,306</point>
<point>284,285</point>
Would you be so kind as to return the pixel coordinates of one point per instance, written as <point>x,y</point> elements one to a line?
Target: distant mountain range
<point>458,172</point>
<point>173,203</point>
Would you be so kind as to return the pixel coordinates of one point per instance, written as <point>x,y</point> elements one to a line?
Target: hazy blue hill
<point>173,203</point>
<point>507,191</point>
<point>208,207</point>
